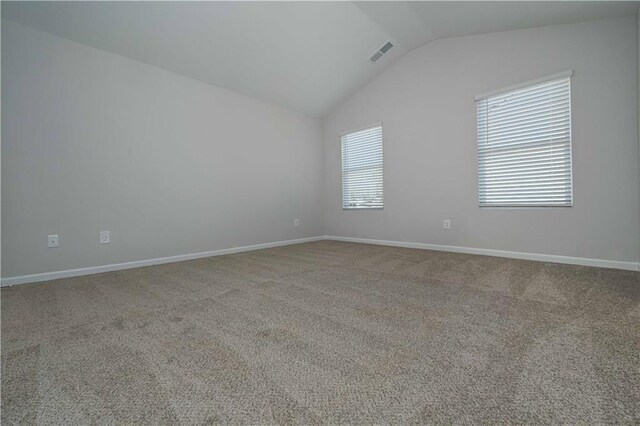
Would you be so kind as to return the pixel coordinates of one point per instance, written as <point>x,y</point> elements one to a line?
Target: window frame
<point>547,79</point>
<point>342,172</point>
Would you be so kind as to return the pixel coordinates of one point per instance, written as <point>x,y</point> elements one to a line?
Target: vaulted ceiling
<point>306,56</point>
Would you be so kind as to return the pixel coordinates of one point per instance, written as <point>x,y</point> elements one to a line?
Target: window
<point>524,145</point>
<point>362,169</point>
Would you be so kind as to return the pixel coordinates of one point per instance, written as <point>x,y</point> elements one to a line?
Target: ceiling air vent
<point>384,49</point>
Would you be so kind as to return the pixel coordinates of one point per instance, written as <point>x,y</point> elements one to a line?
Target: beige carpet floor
<point>326,332</point>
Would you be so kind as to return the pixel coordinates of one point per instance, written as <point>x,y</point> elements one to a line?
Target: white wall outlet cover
<point>105,237</point>
<point>447,224</point>
<point>53,241</point>
<point>296,222</point>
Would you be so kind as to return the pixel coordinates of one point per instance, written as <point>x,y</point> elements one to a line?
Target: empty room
<point>260,213</point>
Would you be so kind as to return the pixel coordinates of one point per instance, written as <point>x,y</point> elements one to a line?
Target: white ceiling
<point>306,56</point>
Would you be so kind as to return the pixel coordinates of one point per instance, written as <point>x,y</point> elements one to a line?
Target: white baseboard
<point>601,263</point>
<point>46,276</point>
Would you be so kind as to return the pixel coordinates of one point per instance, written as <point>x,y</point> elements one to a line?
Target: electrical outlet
<point>296,222</point>
<point>447,224</point>
<point>105,237</point>
<point>53,241</point>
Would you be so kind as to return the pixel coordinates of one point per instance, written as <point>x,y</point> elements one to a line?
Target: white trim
<point>600,263</point>
<point>359,129</point>
<point>564,74</point>
<point>46,276</point>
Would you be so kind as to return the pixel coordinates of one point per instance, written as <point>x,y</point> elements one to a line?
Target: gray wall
<point>425,102</point>
<point>93,141</point>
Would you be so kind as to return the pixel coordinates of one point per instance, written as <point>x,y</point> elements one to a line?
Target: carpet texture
<point>326,332</point>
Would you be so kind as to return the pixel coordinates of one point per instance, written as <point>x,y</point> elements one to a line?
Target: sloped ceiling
<point>305,56</point>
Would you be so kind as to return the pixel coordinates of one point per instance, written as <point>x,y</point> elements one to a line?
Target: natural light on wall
<point>524,145</point>
<point>362,169</point>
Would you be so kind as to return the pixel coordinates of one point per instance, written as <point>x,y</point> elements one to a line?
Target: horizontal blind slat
<point>527,159</point>
<point>524,146</point>
<point>527,91</point>
<point>510,108</point>
<point>362,169</point>
<point>522,151</point>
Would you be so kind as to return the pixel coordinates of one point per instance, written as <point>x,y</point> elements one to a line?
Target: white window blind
<point>524,145</point>
<point>362,169</point>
